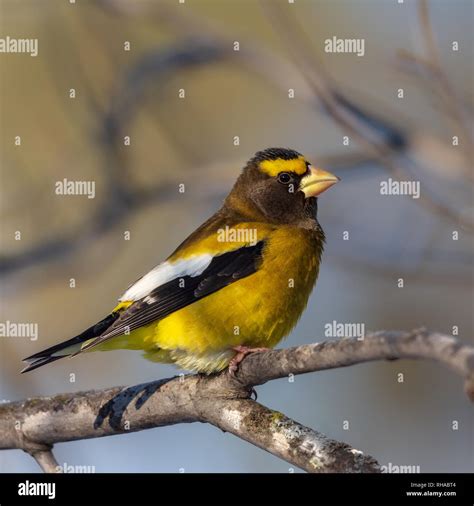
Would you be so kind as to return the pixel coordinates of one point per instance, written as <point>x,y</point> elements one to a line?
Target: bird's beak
<point>317,181</point>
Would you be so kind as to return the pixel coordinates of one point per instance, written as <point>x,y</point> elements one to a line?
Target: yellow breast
<point>258,310</point>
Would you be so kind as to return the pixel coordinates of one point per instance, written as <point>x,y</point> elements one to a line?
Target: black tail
<point>53,353</point>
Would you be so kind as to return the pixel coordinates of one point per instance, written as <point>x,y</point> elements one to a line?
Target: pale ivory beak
<point>317,181</point>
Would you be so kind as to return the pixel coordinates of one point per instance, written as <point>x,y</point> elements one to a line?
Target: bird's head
<point>281,185</point>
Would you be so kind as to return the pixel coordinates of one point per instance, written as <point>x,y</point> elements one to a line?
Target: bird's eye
<point>284,178</point>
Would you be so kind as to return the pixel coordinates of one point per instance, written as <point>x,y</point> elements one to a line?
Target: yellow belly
<point>256,311</point>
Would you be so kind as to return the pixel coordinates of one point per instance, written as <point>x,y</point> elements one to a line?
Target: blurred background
<point>167,76</point>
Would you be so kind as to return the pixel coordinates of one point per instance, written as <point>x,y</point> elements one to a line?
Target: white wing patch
<point>167,271</point>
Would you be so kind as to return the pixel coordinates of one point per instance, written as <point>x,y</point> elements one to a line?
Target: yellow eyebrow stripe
<point>274,167</point>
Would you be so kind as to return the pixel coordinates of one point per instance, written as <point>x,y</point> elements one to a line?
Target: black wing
<point>181,292</point>
<point>46,356</point>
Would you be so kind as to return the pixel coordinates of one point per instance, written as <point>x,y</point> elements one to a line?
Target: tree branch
<point>381,345</point>
<point>276,433</point>
<point>46,460</point>
<point>224,401</point>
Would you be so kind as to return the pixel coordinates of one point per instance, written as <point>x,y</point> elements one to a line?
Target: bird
<point>237,285</point>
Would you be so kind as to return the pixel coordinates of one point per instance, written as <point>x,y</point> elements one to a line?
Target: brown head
<point>279,186</point>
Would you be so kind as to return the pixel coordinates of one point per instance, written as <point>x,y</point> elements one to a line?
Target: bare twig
<point>430,67</point>
<point>46,460</point>
<point>442,78</point>
<point>224,401</point>
<point>276,433</point>
<point>368,130</point>
<point>381,139</point>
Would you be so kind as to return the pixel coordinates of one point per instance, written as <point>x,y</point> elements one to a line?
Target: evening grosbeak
<point>239,283</point>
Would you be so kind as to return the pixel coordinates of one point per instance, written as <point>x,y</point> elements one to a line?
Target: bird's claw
<point>242,352</point>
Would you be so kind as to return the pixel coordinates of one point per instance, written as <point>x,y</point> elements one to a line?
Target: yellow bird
<point>238,284</point>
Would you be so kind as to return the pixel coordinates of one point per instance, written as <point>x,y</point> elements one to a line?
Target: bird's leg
<point>242,352</point>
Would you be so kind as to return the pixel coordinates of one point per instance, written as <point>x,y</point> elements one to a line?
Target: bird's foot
<point>242,352</point>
